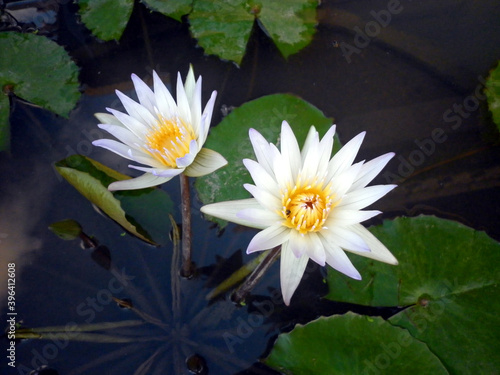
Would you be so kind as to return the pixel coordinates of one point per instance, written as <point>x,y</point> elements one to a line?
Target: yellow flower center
<point>306,206</point>
<point>169,140</point>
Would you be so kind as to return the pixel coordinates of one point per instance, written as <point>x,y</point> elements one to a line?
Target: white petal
<point>344,158</point>
<point>345,238</point>
<point>144,93</point>
<point>190,86</point>
<point>144,181</point>
<point>193,93</point>
<point>262,150</point>
<point>312,137</point>
<point>182,101</point>
<point>132,124</point>
<point>342,182</point>
<point>290,148</point>
<point>266,199</point>
<point>160,172</point>
<point>311,160</point>
<point>106,118</point>
<point>370,170</point>
<point>228,211</point>
<point>360,199</point>
<point>261,178</point>
<point>337,259</point>
<point>308,244</point>
<point>187,159</point>
<point>206,162</point>
<point>344,218</point>
<point>206,118</point>
<point>268,238</point>
<point>297,243</point>
<point>325,151</point>
<point>164,101</point>
<point>127,152</point>
<point>378,250</point>
<point>282,169</point>
<point>123,134</point>
<point>259,216</point>
<point>291,272</point>
<point>136,110</point>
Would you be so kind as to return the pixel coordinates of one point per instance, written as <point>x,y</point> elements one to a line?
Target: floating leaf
<point>223,27</point>
<point>37,70</point>
<point>290,28</point>
<point>106,19</point>
<point>351,344</point>
<point>4,123</point>
<point>66,229</point>
<point>230,138</point>
<point>171,8</point>
<point>134,210</point>
<point>493,94</point>
<point>447,275</point>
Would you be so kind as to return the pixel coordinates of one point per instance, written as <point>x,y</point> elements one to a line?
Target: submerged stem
<point>240,294</point>
<point>187,267</point>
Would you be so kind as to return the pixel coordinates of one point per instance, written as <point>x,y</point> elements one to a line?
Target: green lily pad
<point>493,94</point>
<point>351,344</point>
<point>106,19</point>
<point>447,276</point>
<point>4,123</point>
<point>230,138</point>
<point>171,8</point>
<point>142,212</point>
<point>66,229</point>
<point>38,70</point>
<point>223,27</point>
<point>290,29</point>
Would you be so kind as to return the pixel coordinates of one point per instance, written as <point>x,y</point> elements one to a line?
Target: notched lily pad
<point>493,94</point>
<point>224,27</point>
<point>143,212</point>
<point>351,344</point>
<point>290,28</point>
<point>171,8</point>
<point>230,138</point>
<point>448,278</point>
<point>38,70</point>
<point>106,19</point>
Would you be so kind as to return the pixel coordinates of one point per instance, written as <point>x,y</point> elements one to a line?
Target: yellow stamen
<point>306,206</point>
<point>169,140</point>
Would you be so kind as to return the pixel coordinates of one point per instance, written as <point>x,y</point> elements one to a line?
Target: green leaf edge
<point>102,176</point>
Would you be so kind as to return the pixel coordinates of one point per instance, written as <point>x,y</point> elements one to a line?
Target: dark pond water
<point>422,73</point>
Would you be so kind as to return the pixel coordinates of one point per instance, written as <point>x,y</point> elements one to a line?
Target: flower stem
<point>241,293</point>
<point>187,267</point>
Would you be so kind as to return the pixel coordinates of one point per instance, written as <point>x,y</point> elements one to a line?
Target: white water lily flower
<point>309,203</point>
<point>160,133</point>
